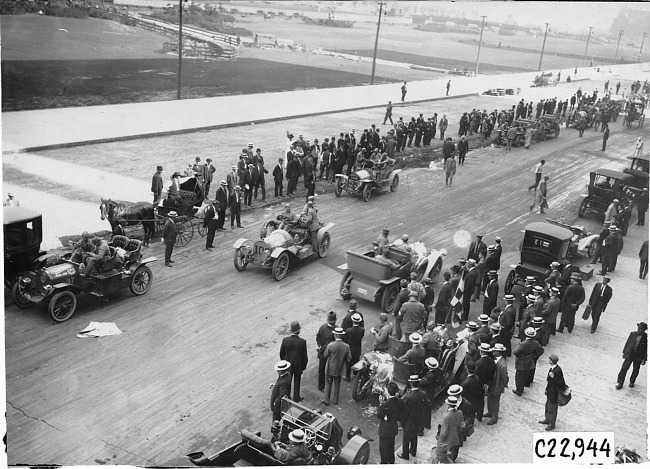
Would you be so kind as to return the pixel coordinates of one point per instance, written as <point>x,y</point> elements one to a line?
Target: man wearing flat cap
<point>526,354</point>
<point>294,350</point>
<point>416,403</point>
<point>157,185</point>
<point>281,388</point>
<point>600,296</point>
<point>338,357</point>
<point>635,353</point>
<point>573,297</point>
<point>554,385</point>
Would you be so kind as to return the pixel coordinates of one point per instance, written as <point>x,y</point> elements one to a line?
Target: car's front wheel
<point>338,188</point>
<point>19,298</point>
<point>584,206</point>
<point>359,388</point>
<point>141,280</point>
<point>239,260</point>
<point>280,266</point>
<point>394,183</point>
<point>366,192</point>
<point>324,246</point>
<point>62,305</point>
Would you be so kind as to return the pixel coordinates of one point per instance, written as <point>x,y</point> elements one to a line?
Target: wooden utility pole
<point>587,46</point>
<point>619,43</point>
<point>543,45</point>
<point>480,41</point>
<point>180,47</point>
<point>374,56</point>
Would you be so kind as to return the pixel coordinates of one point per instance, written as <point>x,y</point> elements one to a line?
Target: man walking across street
<point>605,137</point>
<point>448,86</point>
<point>600,296</point>
<point>538,174</point>
<point>389,113</point>
<point>403,91</point>
<point>450,170</point>
<point>635,353</point>
<point>389,413</point>
<point>338,357</point>
<point>526,354</point>
<point>294,350</point>
<point>554,385</point>
<point>169,234</point>
<point>498,385</point>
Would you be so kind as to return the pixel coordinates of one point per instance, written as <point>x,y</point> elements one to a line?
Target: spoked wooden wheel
<point>185,231</point>
<point>203,230</point>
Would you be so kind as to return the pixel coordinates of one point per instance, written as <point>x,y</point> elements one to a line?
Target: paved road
<point>194,362</point>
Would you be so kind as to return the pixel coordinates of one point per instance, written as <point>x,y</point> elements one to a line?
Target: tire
<point>557,132</point>
<point>584,206</point>
<point>394,183</point>
<point>358,383</point>
<point>435,272</point>
<point>185,231</point>
<point>389,297</point>
<point>238,260</point>
<point>280,266</point>
<point>324,246</point>
<point>591,249</point>
<point>362,456</point>
<point>268,227</point>
<point>510,282</point>
<point>338,188</point>
<point>344,289</point>
<point>18,298</point>
<point>420,272</point>
<point>62,305</point>
<point>366,192</point>
<point>203,230</point>
<point>141,280</point>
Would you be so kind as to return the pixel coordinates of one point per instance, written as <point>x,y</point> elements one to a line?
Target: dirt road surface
<point>195,359</point>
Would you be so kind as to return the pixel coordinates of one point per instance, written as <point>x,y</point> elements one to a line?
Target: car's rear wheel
<point>366,192</point>
<point>324,246</point>
<point>141,280</point>
<point>389,297</point>
<point>359,383</point>
<point>510,282</point>
<point>394,183</point>
<point>592,248</point>
<point>19,298</point>
<point>62,305</point>
<point>338,188</point>
<point>584,206</point>
<point>239,260</point>
<point>280,266</point>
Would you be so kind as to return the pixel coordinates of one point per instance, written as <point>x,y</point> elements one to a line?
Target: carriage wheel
<point>202,229</point>
<point>185,231</point>
<point>160,224</point>
<point>510,282</point>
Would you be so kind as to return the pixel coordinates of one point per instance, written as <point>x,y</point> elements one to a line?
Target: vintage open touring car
<point>370,177</point>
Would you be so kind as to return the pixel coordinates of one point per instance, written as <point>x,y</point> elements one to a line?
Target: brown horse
<point>140,212</point>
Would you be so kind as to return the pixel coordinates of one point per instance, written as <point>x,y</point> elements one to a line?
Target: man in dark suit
<point>221,199</point>
<point>278,177</point>
<point>499,384</point>
<point>354,338</point>
<point>261,170</point>
<point>324,336</point>
<point>526,354</point>
<point>551,308</point>
<point>209,175</point>
<point>600,296</point>
<point>471,279</point>
<point>157,185</point>
<point>485,371</point>
<point>294,350</point>
<point>234,202</point>
<point>448,440</point>
<point>416,403</point>
<point>491,292</point>
<point>338,357</point>
<point>554,385</point>
<point>389,413</point>
<point>573,297</point>
<point>507,322</point>
<point>472,388</point>
<point>443,305</point>
<point>469,413</point>
<point>210,223</point>
<point>476,248</point>
<point>169,234</point>
<point>635,353</point>
<point>246,183</point>
<point>281,388</point>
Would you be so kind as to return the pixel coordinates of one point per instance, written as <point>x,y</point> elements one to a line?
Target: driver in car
<point>604,184</point>
<point>82,248</point>
<point>287,218</point>
<point>296,449</point>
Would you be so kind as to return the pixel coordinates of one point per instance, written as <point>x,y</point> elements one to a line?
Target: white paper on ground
<point>99,329</point>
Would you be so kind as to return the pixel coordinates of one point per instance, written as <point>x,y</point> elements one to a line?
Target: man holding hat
<point>338,357</point>
<point>281,388</point>
<point>574,296</point>
<point>448,440</point>
<point>295,451</point>
<point>498,385</point>
<point>169,234</point>
<point>157,185</point>
<point>526,354</point>
<point>234,202</point>
<point>554,385</point>
<point>635,353</point>
<point>294,350</point>
<point>354,338</point>
<point>389,413</point>
<point>491,293</point>
<point>416,404</point>
<point>600,296</point>
<point>221,202</point>
<point>210,223</point>
<point>507,322</point>
<point>324,336</point>
<point>412,315</point>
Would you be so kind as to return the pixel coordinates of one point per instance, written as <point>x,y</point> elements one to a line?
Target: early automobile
<point>378,177</point>
<point>639,170</point>
<point>324,439</point>
<point>372,280</point>
<point>549,126</point>
<point>543,243</point>
<point>604,186</point>
<point>376,369</point>
<point>58,285</point>
<point>280,247</point>
<point>582,242</point>
<point>23,233</point>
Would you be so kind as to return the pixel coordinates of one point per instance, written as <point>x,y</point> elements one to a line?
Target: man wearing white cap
<point>467,409</point>
<point>526,354</point>
<point>448,440</point>
<point>338,357</point>
<point>281,388</point>
<point>415,355</point>
<point>11,201</point>
<point>527,317</point>
<point>296,453</point>
<point>485,371</point>
<point>499,384</point>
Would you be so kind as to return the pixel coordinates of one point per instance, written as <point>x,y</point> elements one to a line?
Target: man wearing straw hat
<point>416,403</point>
<point>338,357</point>
<point>294,451</point>
<point>526,355</point>
<point>281,388</point>
<point>499,384</point>
<point>448,440</point>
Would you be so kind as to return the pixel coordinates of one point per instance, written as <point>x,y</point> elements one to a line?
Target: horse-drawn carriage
<point>545,79</point>
<point>635,113</point>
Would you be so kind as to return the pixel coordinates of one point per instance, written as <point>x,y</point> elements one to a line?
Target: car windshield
<point>302,416</point>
